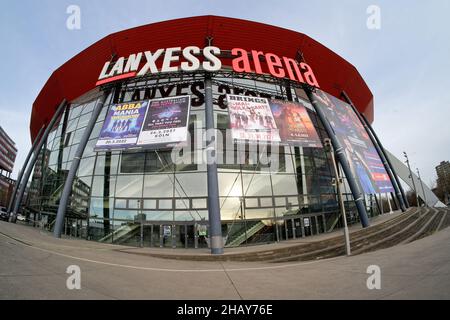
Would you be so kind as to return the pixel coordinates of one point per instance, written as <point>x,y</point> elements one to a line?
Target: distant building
<point>443,181</point>
<point>8,152</point>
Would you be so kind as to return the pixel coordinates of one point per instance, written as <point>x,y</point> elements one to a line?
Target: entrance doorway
<point>180,234</point>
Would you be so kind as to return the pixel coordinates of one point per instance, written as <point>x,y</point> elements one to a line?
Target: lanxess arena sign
<point>193,58</point>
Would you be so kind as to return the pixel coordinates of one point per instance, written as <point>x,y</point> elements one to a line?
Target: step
<point>337,243</point>
<point>357,244</point>
<point>399,236</point>
<point>446,221</point>
<point>431,227</point>
<point>318,246</point>
<point>411,224</point>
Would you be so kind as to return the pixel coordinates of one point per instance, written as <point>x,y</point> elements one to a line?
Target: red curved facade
<point>79,75</point>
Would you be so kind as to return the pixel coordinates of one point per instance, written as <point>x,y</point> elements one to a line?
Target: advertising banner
<point>294,124</point>
<point>166,122</point>
<point>361,154</point>
<point>251,119</point>
<point>122,126</point>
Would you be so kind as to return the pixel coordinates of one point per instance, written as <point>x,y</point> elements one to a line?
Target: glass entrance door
<point>179,235</point>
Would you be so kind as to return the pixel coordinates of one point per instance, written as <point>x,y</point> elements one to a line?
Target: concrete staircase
<point>121,234</point>
<point>240,238</point>
<point>409,226</point>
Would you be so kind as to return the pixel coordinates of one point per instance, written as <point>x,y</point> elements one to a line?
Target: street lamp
<point>411,176</point>
<point>329,147</point>
<point>421,184</point>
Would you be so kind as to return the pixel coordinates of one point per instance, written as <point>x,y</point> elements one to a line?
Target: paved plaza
<point>33,266</point>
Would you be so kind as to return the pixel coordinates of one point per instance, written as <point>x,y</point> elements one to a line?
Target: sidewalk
<point>34,267</point>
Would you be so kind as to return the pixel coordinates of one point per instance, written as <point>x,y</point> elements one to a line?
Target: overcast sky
<point>406,62</point>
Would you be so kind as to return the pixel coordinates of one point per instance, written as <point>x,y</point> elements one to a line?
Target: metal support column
<point>423,191</point>
<point>293,229</point>
<point>380,151</point>
<point>356,192</point>
<point>185,236</point>
<point>64,201</point>
<point>302,227</point>
<point>141,227</point>
<point>389,164</point>
<point>381,203</point>
<point>174,236</point>
<point>389,203</point>
<point>195,235</point>
<point>316,221</point>
<point>412,178</point>
<point>19,178</point>
<point>151,236</point>
<point>286,231</point>
<point>339,183</point>
<point>26,176</point>
<point>215,225</point>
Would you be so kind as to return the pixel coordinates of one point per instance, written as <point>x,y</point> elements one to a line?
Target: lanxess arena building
<point>124,150</point>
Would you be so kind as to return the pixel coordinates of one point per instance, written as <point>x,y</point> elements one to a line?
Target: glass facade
<point>151,198</point>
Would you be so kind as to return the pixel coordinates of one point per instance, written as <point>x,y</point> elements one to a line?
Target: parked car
<point>3,214</point>
<point>21,217</point>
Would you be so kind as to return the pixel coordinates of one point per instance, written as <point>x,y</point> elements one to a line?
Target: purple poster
<point>122,126</point>
<point>166,122</point>
<point>360,152</point>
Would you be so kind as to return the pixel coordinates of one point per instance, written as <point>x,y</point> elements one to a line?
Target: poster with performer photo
<point>361,154</point>
<point>166,122</point>
<point>251,119</point>
<point>294,124</point>
<point>122,126</point>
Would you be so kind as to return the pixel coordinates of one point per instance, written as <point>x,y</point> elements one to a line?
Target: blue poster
<point>122,126</point>
<point>364,161</point>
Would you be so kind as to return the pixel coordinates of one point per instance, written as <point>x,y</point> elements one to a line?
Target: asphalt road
<point>33,266</point>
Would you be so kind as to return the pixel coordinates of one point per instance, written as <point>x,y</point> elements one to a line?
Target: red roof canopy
<point>79,75</point>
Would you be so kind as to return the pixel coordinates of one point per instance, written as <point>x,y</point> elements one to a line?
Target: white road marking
<point>22,242</point>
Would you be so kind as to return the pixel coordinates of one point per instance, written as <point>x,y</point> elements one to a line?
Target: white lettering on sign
<point>193,58</point>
